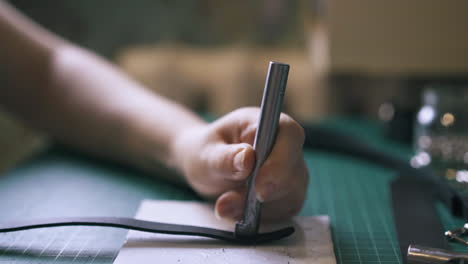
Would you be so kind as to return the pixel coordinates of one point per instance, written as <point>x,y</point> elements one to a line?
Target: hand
<point>217,158</point>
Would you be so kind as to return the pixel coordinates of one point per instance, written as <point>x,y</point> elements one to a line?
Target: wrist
<point>183,144</point>
<point>151,144</point>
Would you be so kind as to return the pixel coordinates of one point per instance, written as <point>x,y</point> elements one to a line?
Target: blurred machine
<point>389,51</point>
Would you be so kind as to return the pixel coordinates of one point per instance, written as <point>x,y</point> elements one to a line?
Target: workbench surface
<point>353,193</point>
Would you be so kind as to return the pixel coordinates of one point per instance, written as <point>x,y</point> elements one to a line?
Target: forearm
<point>84,101</point>
<point>103,111</point>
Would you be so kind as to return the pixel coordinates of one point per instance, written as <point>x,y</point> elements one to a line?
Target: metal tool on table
<point>272,102</point>
<point>418,254</point>
<point>427,255</point>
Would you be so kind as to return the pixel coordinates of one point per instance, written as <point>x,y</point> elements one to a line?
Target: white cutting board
<point>311,243</point>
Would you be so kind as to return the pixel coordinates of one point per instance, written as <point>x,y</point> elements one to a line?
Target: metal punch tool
<point>426,255</point>
<point>272,102</point>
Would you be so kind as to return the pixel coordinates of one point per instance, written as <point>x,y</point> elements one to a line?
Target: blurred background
<point>367,59</point>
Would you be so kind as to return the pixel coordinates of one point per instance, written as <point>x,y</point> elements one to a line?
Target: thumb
<point>230,205</point>
<point>233,161</point>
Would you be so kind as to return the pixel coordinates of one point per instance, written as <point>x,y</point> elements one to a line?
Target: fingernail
<point>229,211</point>
<point>239,160</point>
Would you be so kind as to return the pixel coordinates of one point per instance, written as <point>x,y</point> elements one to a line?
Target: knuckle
<point>292,127</point>
<point>247,133</point>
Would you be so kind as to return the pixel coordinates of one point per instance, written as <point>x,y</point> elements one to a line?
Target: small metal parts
<point>457,234</point>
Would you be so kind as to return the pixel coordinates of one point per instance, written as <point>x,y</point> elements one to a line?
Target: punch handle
<point>270,111</point>
<point>272,102</point>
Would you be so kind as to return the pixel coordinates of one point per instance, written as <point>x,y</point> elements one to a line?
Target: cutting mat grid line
<point>358,204</point>
<point>385,218</point>
<point>358,195</point>
<point>64,185</point>
<point>319,196</point>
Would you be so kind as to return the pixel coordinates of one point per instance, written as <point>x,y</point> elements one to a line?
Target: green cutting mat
<point>353,193</point>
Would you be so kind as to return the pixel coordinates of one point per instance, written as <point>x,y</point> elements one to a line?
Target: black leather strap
<point>146,226</point>
<point>415,215</point>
